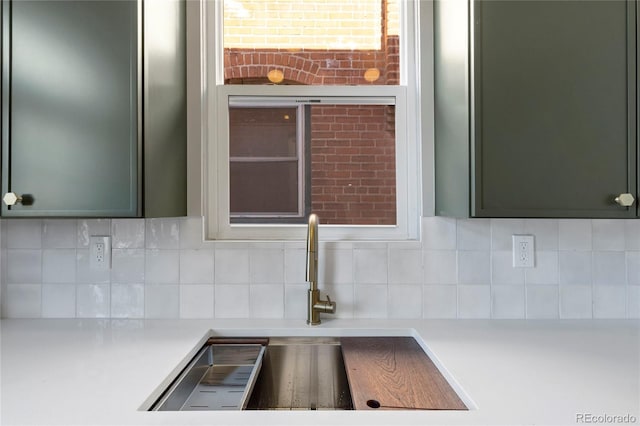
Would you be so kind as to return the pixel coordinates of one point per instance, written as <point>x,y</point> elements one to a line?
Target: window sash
<point>235,102</point>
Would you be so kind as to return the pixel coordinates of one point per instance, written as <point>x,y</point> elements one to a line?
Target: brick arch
<point>248,64</point>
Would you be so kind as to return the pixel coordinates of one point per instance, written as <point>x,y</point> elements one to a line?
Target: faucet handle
<point>329,306</point>
<point>326,306</point>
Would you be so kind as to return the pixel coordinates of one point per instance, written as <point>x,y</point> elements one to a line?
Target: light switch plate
<point>100,252</point>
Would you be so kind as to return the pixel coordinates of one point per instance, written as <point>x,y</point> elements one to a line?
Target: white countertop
<point>101,372</point>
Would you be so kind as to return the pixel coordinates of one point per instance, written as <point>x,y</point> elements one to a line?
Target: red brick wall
<point>353,164</point>
<point>313,67</point>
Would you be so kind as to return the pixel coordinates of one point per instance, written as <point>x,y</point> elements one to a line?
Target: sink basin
<point>310,373</point>
<point>301,373</point>
<point>277,373</point>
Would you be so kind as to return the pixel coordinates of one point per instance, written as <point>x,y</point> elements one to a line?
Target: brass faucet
<point>314,304</point>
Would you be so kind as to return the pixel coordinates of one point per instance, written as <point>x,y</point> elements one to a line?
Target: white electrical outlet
<point>523,251</point>
<point>100,252</point>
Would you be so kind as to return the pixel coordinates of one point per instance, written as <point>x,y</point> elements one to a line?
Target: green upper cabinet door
<point>70,135</point>
<point>76,84</point>
<point>549,108</point>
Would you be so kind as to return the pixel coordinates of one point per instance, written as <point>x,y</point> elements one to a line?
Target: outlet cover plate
<point>100,252</point>
<point>523,251</point>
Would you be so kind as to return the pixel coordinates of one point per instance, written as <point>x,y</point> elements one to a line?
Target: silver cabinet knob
<point>625,200</point>
<point>10,198</point>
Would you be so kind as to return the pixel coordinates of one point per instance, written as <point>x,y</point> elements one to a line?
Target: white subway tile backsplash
<point>59,301</point>
<point>440,267</point>
<point>196,301</point>
<point>24,234</point>
<point>191,232</point>
<point>93,301</point>
<point>440,301</point>
<point>502,270</point>
<point>231,266</point>
<point>162,266</point>
<point>22,300</point>
<point>59,266</point>
<point>609,301</point>
<point>335,266</point>
<point>545,270</point>
<point>266,266</point>
<point>574,267</point>
<point>266,301</point>
<point>127,233</point>
<point>474,267</point>
<point>633,267</point>
<point>474,301</point>
<point>576,302</point>
<point>24,266</point>
<point>370,301</point>
<point>88,227</point>
<point>575,234</point>
<point>231,301</point>
<point>542,301</point>
<point>609,268</point>
<point>405,266</point>
<point>162,301</point>
<point>127,266</point>
<point>295,262</point>
<point>439,233</point>
<point>86,275</point>
<point>474,234</point>
<point>405,301</point>
<point>162,233</point>
<point>608,234</point>
<point>633,302</point>
<point>632,234</point>
<point>295,301</point>
<point>545,231</point>
<point>507,301</point>
<point>196,267</point>
<point>59,233</point>
<point>127,300</point>
<point>370,266</point>
<point>502,230</point>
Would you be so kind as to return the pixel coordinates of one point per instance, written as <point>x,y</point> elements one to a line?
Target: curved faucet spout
<point>314,304</point>
<point>312,252</point>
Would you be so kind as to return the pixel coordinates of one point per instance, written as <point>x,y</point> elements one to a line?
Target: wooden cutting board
<point>395,373</point>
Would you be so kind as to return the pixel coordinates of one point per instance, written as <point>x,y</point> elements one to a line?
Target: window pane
<point>265,169</point>
<point>353,176</point>
<point>342,164</point>
<point>262,132</point>
<point>269,188</point>
<point>312,42</point>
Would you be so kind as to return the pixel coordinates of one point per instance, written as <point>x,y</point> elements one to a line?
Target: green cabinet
<point>536,108</point>
<point>93,108</point>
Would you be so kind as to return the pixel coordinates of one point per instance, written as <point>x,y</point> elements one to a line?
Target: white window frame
<point>216,147</point>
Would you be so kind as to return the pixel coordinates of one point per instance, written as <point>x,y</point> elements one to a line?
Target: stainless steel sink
<point>301,373</point>
<point>289,373</point>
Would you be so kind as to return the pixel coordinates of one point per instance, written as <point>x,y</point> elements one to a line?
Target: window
<point>309,112</point>
<point>267,162</point>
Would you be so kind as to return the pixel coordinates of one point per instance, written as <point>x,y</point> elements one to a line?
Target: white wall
<point>460,269</point>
